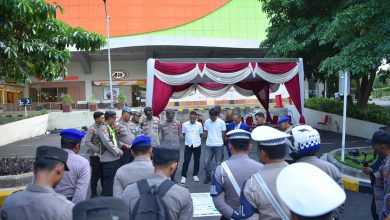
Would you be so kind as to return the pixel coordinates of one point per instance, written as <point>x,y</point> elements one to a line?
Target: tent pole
<point>302,83</point>
<point>149,81</point>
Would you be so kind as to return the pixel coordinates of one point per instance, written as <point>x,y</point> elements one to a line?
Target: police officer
<point>125,135</point>
<point>301,187</point>
<point>74,184</point>
<point>228,177</point>
<point>285,124</point>
<point>140,168</point>
<point>177,199</point>
<point>101,208</point>
<point>306,143</point>
<point>150,126</point>
<point>110,157</point>
<point>381,144</point>
<point>39,200</point>
<point>170,133</point>
<point>135,125</point>
<point>259,199</point>
<point>93,143</point>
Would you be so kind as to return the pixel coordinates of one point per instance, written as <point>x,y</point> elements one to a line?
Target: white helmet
<point>306,139</point>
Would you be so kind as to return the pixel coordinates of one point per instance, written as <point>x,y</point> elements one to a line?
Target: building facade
<point>141,30</point>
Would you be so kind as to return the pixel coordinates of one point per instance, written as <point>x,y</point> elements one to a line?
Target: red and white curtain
<point>180,79</point>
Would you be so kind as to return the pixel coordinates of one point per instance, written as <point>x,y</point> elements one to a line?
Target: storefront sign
<point>63,78</point>
<point>119,83</point>
<point>120,74</point>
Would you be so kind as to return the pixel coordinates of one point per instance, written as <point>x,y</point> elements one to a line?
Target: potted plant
<point>93,107</point>
<point>121,98</point>
<point>67,103</point>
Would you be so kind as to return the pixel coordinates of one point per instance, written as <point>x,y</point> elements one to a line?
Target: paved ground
<point>357,205</point>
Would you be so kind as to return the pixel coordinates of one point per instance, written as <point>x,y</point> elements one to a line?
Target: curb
<point>356,185</point>
<point>4,193</point>
<point>351,183</point>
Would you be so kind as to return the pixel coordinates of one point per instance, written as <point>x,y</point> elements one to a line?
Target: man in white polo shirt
<point>215,130</point>
<point>192,131</point>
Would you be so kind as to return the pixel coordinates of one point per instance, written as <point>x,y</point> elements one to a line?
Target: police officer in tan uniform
<point>170,133</point>
<point>125,135</point>
<point>93,143</point>
<point>259,198</point>
<point>177,199</point>
<point>150,126</point>
<point>139,169</point>
<point>39,200</point>
<point>110,153</point>
<point>228,177</point>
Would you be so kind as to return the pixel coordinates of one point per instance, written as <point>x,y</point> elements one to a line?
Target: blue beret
<point>128,110</point>
<point>73,134</point>
<point>284,119</point>
<point>141,141</point>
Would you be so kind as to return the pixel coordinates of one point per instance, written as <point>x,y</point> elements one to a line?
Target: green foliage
<point>330,36</point>
<point>121,98</point>
<point>67,100</point>
<point>34,43</point>
<point>379,93</point>
<point>351,163</point>
<point>372,113</point>
<point>93,99</point>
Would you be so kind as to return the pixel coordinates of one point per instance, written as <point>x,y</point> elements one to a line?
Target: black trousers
<point>127,156</point>
<point>96,173</point>
<point>109,171</point>
<point>188,151</point>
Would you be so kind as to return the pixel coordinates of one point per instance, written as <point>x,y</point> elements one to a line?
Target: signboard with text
<point>23,102</point>
<point>119,74</point>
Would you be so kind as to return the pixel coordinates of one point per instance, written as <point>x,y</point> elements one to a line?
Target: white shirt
<point>237,126</point>
<point>214,132</point>
<point>192,133</point>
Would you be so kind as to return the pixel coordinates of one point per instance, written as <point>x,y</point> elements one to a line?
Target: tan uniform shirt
<point>224,196</point>
<point>139,169</point>
<point>92,140</point>
<point>37,202</point>
<point>110,151</point>
<point>170,133</point>
<point>125,134</point>
<point>151,128</point>
<point>178,199</point>
<point>254,197</point>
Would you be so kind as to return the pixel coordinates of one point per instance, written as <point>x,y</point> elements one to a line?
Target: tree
<point>33,43</point>
<point>330,35</point>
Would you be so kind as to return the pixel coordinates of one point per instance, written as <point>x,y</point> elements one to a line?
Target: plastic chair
<point>325,122</point>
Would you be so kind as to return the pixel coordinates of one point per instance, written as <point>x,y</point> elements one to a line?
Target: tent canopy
<point>177,78</point>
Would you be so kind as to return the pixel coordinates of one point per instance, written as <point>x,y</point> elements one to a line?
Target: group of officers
<point>139,151</point>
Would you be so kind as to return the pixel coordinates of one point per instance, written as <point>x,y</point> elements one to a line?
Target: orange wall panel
<point>129,17</point>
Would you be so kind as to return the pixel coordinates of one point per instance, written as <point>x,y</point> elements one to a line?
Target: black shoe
<point>207,180</point>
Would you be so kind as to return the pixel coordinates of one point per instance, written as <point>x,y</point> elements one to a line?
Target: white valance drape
<point>227,78</point>
<point>276,78</point>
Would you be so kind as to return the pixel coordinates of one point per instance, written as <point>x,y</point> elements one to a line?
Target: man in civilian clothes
<point>192,131</point>
<point>215,131</point>
<point>74,184</point>
<point>93,143</point>
<point>236,124</point>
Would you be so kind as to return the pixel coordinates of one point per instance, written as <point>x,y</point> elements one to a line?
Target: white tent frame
<point>151,61</point>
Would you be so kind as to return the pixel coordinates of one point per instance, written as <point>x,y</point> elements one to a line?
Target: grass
<point>351,163</point>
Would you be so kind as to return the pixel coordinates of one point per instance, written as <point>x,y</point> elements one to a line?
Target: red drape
<point>276,68</point>
<point>293,89</point>
<point>162,92</point>
<point>227,67</point>
<point>261,91</point>
<point>174,68</point>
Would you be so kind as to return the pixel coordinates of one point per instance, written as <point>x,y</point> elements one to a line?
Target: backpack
<point>150,205</point>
